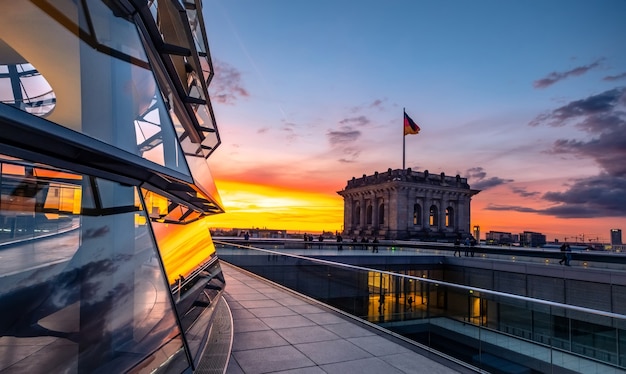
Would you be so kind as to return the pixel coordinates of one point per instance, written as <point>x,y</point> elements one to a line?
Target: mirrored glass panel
<point>98,80</point>
<point>185,249</point>
<point>81,285</point>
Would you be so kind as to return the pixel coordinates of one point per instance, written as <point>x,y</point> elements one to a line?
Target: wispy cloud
<point>556,76</point>
<point>478,179</point>
<point>514,208</point>
<point>359,121</point>
<point>376,104</point>
<point>611,78</point>
<point>226,86</point>
<point>523,193</point>
<point>344,140</point>
<point>290,130</point>
<point>343,136</point>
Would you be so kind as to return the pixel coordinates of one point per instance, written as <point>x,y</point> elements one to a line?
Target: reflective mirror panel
<point>82,289</point>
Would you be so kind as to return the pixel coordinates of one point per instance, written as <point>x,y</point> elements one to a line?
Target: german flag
<point>410,127</point>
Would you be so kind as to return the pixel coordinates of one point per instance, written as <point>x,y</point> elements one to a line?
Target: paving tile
<point>307,334</point>
<point>306,309</point>
<point>234,368</point>
<point>324,318</point>
<point>259,303</point>
<point>287,321</point>
<point>279,311</point>
<point>241,313</point>
<point>257,361</point>
<point>377,345</point>
<point>414,363</point>
<point>307,370</point>
<point>233,305</point>
<point>289,301</point>
<point>252,296</point>
<point>249,324</point>
<point>366,366</point>
<point>257,339</point>
<point>348,330</point>
<point>332,351</point>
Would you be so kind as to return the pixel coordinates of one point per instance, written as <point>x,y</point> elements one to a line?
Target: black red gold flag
<point>410,127</point>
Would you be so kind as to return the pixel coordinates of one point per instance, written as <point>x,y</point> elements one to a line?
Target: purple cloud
<point>341,137</point>
<point>555,76</point>
<point>523,193</point>
<point>603,118</point>
<point>359,121</point>
<point>226,85</point>
<point>603,104</point>
<point>598,196</point>
<point>479,179</point>
<point>611,78</point>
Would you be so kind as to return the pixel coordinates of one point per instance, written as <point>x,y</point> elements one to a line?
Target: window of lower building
<point>417,214</point>
<point>449,217</point>
<point>434,216</point>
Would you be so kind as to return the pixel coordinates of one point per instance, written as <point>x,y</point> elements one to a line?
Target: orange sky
<point>250,205</point>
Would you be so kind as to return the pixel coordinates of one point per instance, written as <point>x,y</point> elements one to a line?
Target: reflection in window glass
<point>24,87</point>
<point>119,101</point>
<point>89,291</point>
<point>162,209</point>
<point>115,32</point>
<point>184,249</point>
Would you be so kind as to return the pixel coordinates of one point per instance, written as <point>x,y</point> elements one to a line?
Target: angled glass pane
<point>105,88</point>
<point>89,292</point>
<point>185,249</point>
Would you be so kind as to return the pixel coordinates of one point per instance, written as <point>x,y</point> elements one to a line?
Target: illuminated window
<point>434,216</point>
<point>417,214</point>
<point>449,217</point>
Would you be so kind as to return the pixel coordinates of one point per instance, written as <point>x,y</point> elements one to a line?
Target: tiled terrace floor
<point>279,331</point>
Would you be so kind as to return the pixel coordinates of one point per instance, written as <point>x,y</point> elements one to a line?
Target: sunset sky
<point>527,99</point>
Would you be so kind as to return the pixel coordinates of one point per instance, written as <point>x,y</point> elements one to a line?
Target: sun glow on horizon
<point>251,205</point>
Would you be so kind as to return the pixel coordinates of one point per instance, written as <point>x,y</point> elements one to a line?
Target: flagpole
<point>403,137</point>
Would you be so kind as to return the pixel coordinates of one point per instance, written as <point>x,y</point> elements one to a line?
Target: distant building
<point>404,204</point>
<point>500,238</point>
<point>476,231</point>
<point>616,237</point>
<point>532,239</point>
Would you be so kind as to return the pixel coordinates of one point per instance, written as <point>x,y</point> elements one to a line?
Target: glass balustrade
<point>486,328</point>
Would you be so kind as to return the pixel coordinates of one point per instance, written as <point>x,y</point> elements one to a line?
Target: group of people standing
<point>470,243</point>
<point>309,237</point>
<point>365,241</point>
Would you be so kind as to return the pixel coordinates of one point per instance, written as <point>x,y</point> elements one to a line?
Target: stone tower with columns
<point>405,204</point>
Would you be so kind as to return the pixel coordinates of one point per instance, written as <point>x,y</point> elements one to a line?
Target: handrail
<point>432,281</point>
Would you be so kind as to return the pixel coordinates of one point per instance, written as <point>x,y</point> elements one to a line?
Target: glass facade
<point>106,259</point>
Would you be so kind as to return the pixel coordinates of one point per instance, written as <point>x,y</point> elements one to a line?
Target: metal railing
<point>483,327</point>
